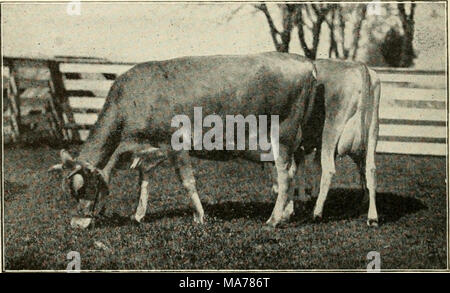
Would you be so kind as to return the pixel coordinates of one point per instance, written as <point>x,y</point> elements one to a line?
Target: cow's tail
<point>309,95</point>
<point>367,103</point>
<point>372,119</point>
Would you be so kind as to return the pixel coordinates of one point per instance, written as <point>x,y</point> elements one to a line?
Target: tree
<point>281,39</point>
<point>316,14</point>
<point>407,20</point>
<point>308,19</point>
<point>391,47</point>
<point>338,25</point>
<point>302,16</point>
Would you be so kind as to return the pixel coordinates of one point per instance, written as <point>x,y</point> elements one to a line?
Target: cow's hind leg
<point>361,164</point>
<point>183,166</point>
<point>370,176</point>
<point>328,170</point>
<point>364,157</point>
<point>327,156</point>
<point>367,171</point>
<point>372,217</point>
<point>316,170</point>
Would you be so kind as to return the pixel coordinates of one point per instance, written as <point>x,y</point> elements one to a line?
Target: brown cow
<point>136,120</point>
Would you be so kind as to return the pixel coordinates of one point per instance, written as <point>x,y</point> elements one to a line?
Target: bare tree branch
<point>301,33</point>
<point>288,19</point>
<point>345,51</point>
<point>320,13</point>
<point>233,13</point>
<point>357,30</point>
<point>288,11</point>
<point>333,43</point>
<point>273,30</point>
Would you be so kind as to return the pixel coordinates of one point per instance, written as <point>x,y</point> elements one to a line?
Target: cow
<point>135,122</point>
<point>347,125</point>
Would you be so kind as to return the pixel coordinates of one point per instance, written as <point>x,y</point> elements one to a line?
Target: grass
<point>236,195</point>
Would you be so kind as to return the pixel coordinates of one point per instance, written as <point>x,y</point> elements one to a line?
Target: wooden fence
<point>413,112</point>
<point>413,109</point>
<point>10,107</point>
<point>29,100</point>
<point>86,86</point>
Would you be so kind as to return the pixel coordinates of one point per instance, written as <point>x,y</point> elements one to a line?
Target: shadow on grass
<point>341,204</point>
<point>13,188</point>
<point>117,220</point>
<point>350,204</point>
<point>30,260</point>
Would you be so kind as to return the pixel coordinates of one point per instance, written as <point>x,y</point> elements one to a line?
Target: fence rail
<point>413,108</point>
<point>413,112</point>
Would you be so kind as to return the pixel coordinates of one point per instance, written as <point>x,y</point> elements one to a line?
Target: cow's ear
<point>67,160</point>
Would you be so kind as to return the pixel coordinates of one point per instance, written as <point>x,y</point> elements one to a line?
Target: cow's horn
<point>74,171</point>
<point>56,167</point>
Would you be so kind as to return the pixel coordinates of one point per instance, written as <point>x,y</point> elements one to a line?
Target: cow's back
<point>152,93</point>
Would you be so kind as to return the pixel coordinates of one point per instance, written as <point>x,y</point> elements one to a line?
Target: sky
<point>138,32</point>
<point>132,31</point>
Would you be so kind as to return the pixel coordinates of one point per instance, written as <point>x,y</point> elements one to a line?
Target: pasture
<point>236,195</point>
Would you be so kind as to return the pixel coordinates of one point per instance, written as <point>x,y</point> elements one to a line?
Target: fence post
<point>60,99</point>
<point>7,100</point>
<point>13,99</point>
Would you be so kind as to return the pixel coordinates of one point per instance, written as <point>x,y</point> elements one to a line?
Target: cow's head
<point>84,183</point>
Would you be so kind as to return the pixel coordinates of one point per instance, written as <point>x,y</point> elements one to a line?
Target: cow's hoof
<point>372,223</point>
<point>134,221</point>
<point>199,219</point>
<point>271,222</point>
<point>267,228</point>
<point>317,218</point>
<point>288,211</point>
<point>82,223</point>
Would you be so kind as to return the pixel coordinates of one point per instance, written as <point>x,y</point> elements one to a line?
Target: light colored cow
<point>350,93</point>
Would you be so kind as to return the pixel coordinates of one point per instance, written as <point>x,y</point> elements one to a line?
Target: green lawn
<point>236,196</point>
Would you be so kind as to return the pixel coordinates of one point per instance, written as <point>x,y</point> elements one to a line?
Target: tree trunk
<point>357,30</point>
<point>288,10</point>
<point>407,53</point>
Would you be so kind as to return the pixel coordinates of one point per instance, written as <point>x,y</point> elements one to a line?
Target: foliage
<point>345,23</point>
<point>391,48</point>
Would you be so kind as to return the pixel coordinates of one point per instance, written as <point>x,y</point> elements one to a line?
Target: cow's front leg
<point>143,197</point>
<point>295,178</point>
<point>183,166</point>
<point>282,164</point>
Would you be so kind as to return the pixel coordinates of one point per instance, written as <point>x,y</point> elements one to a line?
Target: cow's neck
<point>96,152</point>
<point>103,139</point>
